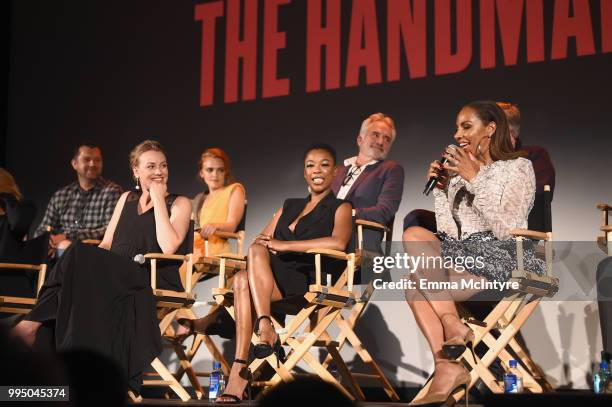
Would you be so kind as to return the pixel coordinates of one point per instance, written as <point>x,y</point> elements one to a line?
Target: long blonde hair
<point>8,185</point>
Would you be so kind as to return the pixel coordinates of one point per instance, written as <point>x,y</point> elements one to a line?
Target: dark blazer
<point>376,196</point>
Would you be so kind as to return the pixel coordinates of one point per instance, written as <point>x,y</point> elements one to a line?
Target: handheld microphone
<point>434,180</point>
<point>139,258</point>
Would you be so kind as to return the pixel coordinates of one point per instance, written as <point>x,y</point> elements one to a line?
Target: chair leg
<point>319,370</point>
<point>346,374</point>
<point>185,367</point>
<point>133,397</point>
<point>534,369</point>
<point>365,356</point>
<point>507,333</point>
<point>165,374</point>
<point>301,349</point>
<point>356,313</point>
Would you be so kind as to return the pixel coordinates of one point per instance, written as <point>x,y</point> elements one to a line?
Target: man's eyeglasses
<point>352,175</point>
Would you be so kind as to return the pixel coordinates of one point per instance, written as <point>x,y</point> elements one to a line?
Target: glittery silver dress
<point>475,218</point>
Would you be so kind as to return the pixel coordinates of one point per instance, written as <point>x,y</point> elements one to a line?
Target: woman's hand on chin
<point>158,190</point>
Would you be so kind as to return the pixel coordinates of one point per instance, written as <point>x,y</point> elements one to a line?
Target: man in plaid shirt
<point>82,209</point>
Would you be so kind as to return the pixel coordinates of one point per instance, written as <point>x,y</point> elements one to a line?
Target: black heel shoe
<point>187,323</point>
<point>245,373</point>
<point>263,350</point>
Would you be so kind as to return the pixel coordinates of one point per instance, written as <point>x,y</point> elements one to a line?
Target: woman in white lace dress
<point>489,192</point>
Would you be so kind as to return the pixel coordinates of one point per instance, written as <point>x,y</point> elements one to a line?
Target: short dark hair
<point>324,147</point>
<point>84,143</point>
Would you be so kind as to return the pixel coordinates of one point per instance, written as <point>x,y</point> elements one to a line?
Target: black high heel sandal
<point>245,373</point>
<point>263,350</point>
<point>179,339</point>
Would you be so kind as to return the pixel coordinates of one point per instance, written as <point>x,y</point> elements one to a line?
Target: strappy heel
<point>263,350</point>
<point>245,373</point>
<point>461,382</point>
<point>456,346</point>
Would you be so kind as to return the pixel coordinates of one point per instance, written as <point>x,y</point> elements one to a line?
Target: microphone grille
<point>139,258</point>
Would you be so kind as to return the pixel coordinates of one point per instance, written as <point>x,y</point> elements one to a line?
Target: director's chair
<point>315,313</point>
<point>22,275</point>
<point>510,314</point>
<point>206,266</point>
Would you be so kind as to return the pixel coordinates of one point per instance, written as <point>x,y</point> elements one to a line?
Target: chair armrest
<point>604,207</point>
<point>42,268</point>
<point>335,254</point>
<point>531,234</point>
<point>227,235</point>
<point>162,256</point>
<point>371,225</point>
<point>20,266</point>
<point>187,258</point>
<point>230,256</point>
<point>606,228</point>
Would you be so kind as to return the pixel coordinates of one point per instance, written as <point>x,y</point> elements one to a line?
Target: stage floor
<point>577,398</point>
<point>156,402</point>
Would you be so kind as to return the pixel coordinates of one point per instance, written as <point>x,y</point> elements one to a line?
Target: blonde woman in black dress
<point>99,298</point>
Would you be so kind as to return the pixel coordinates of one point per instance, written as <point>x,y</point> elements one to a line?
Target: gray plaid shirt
<point>81,214</point>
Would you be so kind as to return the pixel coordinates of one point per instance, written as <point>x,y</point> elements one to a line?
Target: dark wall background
<point>118,72</point>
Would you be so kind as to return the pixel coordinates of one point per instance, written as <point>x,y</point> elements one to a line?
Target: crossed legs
<point>254,290</point>
<point>435,312</point>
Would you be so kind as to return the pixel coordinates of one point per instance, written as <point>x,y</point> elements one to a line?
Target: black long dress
<point>293,272</point>
<point>102,300</point>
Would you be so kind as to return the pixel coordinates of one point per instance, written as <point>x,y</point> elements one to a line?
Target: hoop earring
<point>137,187</point>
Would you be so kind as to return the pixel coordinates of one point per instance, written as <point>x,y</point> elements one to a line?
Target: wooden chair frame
<point>324,308</point>
<point>507,318</point>
<point>205,267</point>
<point>604,239</point>
<point>169,302</point>
<point>22,305</point>
<point>319,297</point>
<point>347,325</point>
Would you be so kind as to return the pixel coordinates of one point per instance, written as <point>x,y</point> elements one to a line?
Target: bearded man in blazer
<point>373,184</point>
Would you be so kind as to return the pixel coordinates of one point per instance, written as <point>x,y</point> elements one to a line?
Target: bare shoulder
<point>345,209</point>
<point>123,198</point>
<point>182,203</point>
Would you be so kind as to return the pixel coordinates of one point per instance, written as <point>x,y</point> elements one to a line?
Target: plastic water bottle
<point>216,380</point>
<point>601,379</point>
<point>513,382</point>
<point>221,382</point>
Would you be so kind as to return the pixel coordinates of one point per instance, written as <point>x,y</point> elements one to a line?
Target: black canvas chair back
<point>293,305</point>
<point>19,283</point>
<point>242,224</point>
<point>540,218</point>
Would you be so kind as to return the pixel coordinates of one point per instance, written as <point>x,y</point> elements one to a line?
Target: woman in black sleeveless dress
<point>99,298</point>
<point>277,264</point>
